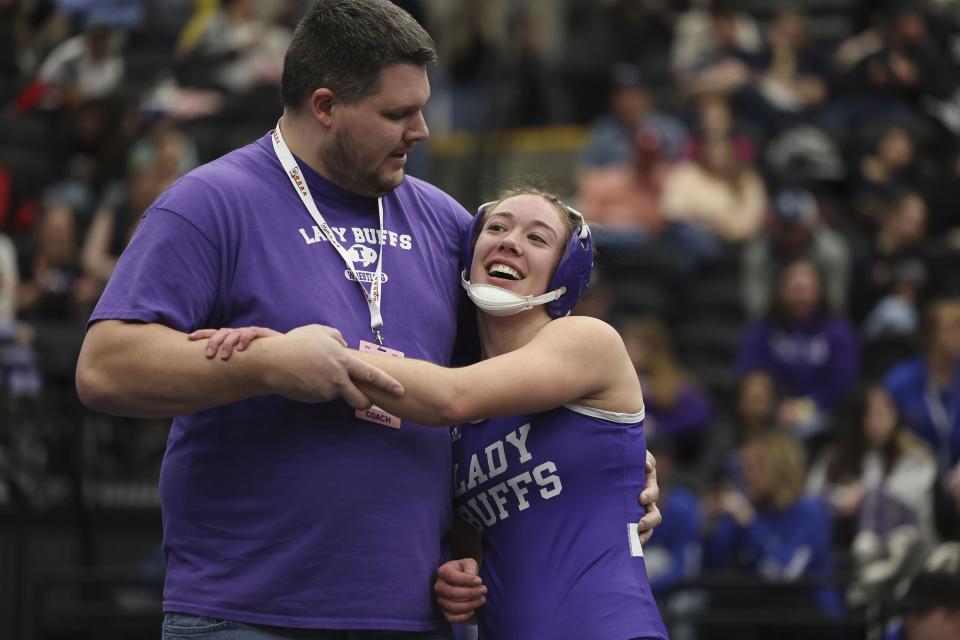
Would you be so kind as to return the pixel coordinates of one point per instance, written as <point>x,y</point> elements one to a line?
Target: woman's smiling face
<point>520,244</point>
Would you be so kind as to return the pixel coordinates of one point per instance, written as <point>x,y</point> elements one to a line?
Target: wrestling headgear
<point>569,281</point>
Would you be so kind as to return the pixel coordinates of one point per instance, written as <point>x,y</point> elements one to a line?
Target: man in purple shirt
<point>289,503</point>
<point>278,511</point>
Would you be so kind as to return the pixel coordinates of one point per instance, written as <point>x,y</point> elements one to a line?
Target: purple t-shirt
<point>818,357</point>
<point>555,497</point>
<point>279,512</point>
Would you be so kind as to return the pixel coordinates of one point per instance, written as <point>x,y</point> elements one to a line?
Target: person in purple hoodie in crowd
<point>810,353</point>
<point>287,503</point>
<point>549,446</point>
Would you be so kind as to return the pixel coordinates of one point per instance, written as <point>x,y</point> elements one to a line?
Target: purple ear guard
<point>573,270</point>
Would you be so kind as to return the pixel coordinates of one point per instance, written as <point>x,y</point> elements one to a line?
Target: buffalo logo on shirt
<point>361,253</point>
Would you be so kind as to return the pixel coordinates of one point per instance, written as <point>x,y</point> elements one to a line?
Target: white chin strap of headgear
<point>498,301</point>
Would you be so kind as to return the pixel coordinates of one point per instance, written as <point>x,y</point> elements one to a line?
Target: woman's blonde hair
<point>783,462</point>
<point>570,220</point>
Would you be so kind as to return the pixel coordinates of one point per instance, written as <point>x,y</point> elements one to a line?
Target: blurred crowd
<point>773,189</point>
<point>793,185</point>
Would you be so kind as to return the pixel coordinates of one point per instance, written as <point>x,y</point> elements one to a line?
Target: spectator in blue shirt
<point>772,529</point>
<point>926,389</point>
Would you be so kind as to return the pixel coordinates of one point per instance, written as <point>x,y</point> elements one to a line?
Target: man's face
<point>372,137</point>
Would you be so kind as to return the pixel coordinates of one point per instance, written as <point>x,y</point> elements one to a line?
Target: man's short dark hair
<point>343,45</point>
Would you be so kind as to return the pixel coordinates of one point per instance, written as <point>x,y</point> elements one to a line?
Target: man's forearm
<point>149,370</point>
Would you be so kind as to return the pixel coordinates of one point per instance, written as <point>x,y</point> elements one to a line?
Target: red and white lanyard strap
<point>293,172</point>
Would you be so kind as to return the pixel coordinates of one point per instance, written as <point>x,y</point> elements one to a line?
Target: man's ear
<point>321,105</point>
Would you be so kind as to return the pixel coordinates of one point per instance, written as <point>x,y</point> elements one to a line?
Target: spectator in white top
<point>86,67</point>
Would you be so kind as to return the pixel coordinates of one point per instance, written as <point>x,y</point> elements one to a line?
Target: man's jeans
<point>184,626</point>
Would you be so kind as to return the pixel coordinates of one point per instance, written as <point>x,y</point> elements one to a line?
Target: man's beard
<point>351,170</point>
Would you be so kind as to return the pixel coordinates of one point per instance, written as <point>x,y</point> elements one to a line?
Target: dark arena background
<point>774,192</point>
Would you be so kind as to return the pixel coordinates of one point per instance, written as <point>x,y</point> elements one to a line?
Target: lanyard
<point>293,172</point>
<point>943,415</point>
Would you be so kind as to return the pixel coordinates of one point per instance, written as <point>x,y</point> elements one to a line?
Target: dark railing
<point>737,604</point>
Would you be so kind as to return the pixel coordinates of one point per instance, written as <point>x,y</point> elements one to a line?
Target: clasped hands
<point>310,363</point>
